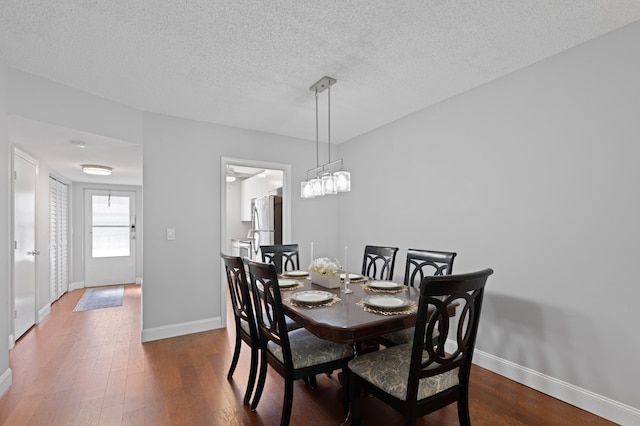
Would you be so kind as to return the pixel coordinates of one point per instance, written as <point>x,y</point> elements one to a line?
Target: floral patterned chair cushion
<point>307,349</point>
<point>388,369</point>
<point>405,336</point>
<point>291,325</point>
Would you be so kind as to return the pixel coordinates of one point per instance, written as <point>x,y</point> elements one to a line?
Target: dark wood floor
<point>90,368</point>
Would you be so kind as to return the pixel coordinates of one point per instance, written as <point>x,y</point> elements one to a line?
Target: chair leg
<point>236,355</point>
<point>287,402</point>
<point>346,392</point>
<point>354,400</point>
<point>463,408</point>
<point>262,377</point>
<point>252,374</point>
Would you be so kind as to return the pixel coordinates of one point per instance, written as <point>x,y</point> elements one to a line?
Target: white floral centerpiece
<point>325,272</point>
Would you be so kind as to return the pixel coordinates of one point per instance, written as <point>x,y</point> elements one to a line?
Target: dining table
<point>346,320</point>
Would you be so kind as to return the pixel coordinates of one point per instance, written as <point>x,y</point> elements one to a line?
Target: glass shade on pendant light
<point>305,189</point>
<point>316,187</point>
<point>343,181</point>
<point>329,184</point>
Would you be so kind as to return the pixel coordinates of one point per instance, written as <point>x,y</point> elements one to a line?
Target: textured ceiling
<point>250,63</point>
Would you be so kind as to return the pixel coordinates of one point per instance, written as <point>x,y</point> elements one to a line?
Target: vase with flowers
<point>325,272</point>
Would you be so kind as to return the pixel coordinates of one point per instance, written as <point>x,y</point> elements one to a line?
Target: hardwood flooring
<point>90,368</point>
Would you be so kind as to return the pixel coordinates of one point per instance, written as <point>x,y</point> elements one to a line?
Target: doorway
<point>109,237</point>
<point>25,253</point>
<point>225,237</point>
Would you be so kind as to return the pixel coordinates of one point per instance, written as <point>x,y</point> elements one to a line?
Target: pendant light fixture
<point>329,178</point>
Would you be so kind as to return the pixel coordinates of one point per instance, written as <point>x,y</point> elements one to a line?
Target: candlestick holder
<point>347,282</point>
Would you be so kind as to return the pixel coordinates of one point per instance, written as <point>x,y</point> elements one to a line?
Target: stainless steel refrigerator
<point>266,223</point>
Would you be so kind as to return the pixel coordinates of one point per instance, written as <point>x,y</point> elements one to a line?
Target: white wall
<point>5,321</point>
<point>183,278</point>
<point>77,228</point>
<point>535,175</point>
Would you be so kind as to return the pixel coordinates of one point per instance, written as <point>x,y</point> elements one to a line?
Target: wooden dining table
<point>345,321</point>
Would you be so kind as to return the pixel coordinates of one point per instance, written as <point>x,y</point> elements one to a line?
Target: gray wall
<point>183,278</point>
<point>5,321</point>
<point>535,175</point>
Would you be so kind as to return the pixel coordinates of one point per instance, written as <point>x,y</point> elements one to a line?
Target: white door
<point>110,249</point>
<point>25,251</point>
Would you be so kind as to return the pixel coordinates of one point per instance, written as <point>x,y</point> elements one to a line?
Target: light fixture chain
<point>329,123</point>
<point>317,140</point>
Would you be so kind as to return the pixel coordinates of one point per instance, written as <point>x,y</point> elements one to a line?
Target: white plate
<point>296,273</point>
<point>311,296</point>
<point>388,302</point>
<point>351,276</point>
<point>384,285</point>
<point>287,283</point>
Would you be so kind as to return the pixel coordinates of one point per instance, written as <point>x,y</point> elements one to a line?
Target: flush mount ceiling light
<point>94,169</point>
<point>329,178</point>
<point>231,174</point>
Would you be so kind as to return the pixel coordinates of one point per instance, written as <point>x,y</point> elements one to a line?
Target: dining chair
<point>294,355</point>
<point>419,378</point>
<point>378,262</point>
<point>246,325</point>
<point>284,256</point>
<point>420,263</point>
<point>243,314</point>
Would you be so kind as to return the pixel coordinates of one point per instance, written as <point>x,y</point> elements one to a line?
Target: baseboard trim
<point>174,330</point>
<point>139,280</point>
<point>76,285</point>
<point>597,404</point>
<point>12,341</point>
<point>5,381</point>
<point>44,312</point>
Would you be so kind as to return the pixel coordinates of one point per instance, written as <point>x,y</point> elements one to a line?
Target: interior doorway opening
<point>237,229</point>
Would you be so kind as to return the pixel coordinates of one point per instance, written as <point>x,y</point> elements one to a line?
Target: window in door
<point>110,226</point>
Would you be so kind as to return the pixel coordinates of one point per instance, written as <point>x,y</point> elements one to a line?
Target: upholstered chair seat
<point>389,371</point>
<point>308,350</point>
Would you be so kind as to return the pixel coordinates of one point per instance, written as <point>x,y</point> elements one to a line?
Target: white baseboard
<point>76,285</point>
<point>44,312</point>
<point>12,341</point>
<point>174,330</point>
<point>139,280</point>
<point>5,381</point>
<point>597,404</point>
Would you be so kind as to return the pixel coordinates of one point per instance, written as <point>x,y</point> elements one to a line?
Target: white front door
<point>110,249</point>
<point>25,251</point>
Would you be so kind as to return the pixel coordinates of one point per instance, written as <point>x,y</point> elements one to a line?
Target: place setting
<point>387,304</point>
<point>312,298</point>
<point>354,278</point>
<point>286,284</point>
<point>384,286</point>
<point>295,274</point>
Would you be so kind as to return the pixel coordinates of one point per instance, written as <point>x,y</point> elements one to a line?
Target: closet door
<point>58,239</point>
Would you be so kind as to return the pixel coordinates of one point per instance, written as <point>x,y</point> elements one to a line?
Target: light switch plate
<point>171,234</point>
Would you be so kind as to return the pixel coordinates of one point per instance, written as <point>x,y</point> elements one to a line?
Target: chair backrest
<point>285,257</point>
<point>378,262</point>
<point>423,263</point>
<point>268,306</point>
<point>240,292</point>
<point>428,356</point>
